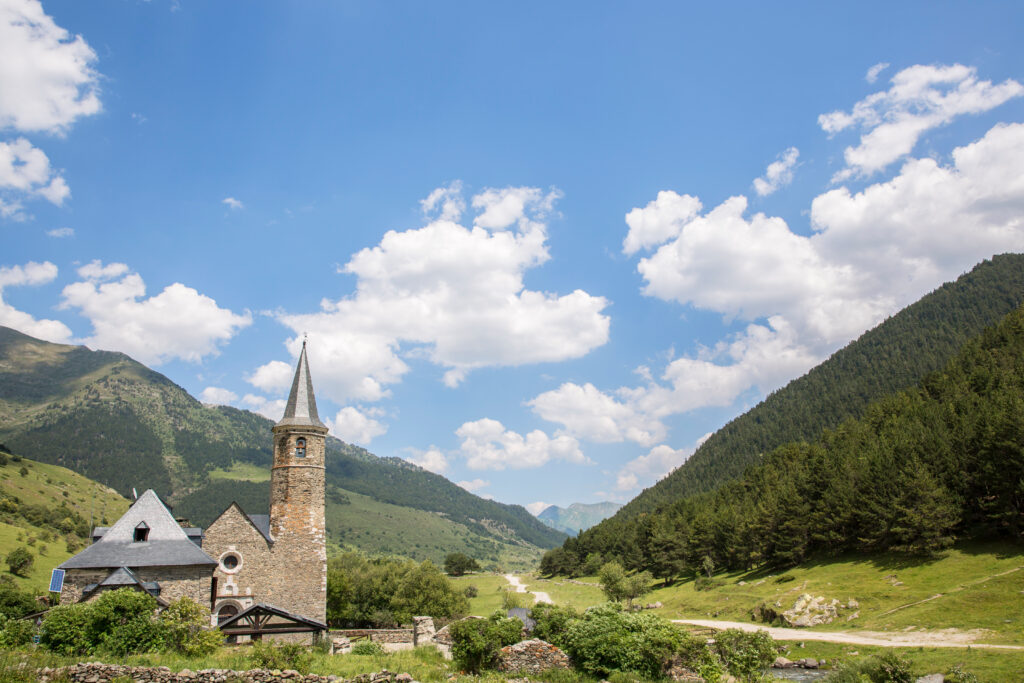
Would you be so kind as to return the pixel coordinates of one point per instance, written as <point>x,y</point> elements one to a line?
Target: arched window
<point>300,448</point>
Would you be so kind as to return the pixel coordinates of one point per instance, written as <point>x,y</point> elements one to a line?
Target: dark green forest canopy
<point>918,469</point>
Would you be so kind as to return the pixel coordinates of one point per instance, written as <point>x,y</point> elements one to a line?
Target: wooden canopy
<point>261,620</point>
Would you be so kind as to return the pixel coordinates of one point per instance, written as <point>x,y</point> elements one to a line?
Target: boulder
<point>931,678</point>
<point>811,611</point>
<point>783,663</point>
<point>852,604</point>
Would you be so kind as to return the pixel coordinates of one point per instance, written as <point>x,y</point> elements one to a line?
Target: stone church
<point>241,560</point>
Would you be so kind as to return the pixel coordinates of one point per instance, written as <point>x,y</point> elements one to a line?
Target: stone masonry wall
<point>95,672</point>
<point>247,583</point>
<point>75,581</point>
<point>298,573</point>
<point>177,582</point>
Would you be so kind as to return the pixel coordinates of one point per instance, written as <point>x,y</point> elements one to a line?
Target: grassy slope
<point>45,484</point>
<point>377,527</point>
<point>490,592</point>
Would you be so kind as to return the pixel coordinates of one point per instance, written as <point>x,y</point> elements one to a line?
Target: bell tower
<point>297,522</point>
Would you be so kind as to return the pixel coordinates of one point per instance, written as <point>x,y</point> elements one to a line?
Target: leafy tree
<point>14,602</point>
<point>552,622</point>
<point>636,586</point>
<point>424,591</point>
<point>457,564</point>
<point>185,623</point>
<point>746,655</point>
<point>613,579</point>
<point>123,622</point>
<point>65,629</point>
<point>19,561</point>
<point>476,642</point>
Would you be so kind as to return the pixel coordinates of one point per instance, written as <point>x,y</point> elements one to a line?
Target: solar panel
<point>57,580</point>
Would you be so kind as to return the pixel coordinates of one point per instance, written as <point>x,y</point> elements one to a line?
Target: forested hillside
<point>114,420</point>
<point>894,355</point>
<point>921,467</point>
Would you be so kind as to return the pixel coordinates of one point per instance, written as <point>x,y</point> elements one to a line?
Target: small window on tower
<point>141,532</point>
<point>300,448</point>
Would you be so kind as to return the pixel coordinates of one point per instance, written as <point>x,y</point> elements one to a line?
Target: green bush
<point>367,647</point>
<point>19,561</point>
<point>470,591</point>
<point>284,656</point>
<point>703,583</point>
<point>746,655</point>
<point>65,629</point>
<point>887,668</point>
<point>694,653</point>
<point>134,636</point>
<point>606,639</point>
<point>122,622</point>
<point>15,632</point>
<point>958,675</point>
<point>552,622</point>
<point>476,642</point>
<point>13,601</point>
<point>185,628</point>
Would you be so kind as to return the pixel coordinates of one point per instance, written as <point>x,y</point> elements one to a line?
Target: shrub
<point>476,642</point>
<point>958,675</point>
<point>15,632</point>
<point>15,602</point>
<point>887,668</point>
<point>19,561</point>
<point>65,629</point>
<point>470,591</point>
<point>284,656</point>
<point>606,639</point>
<point>122,622</point>
<point>552,622</point>
<point>367,647</point>
<point>703,583</point>
<point>784,578</point>
<point>511,599</point>
<point>185,628</point>
<point>745,655</point>
<point>694,654</point>
<point>135,636</point>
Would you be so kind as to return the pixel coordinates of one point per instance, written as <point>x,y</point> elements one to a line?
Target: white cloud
<point>232,203</point>
<point>647,469</point>
<point>46,75</point>
<point>61,232</point>
<point>218,396</point>
<point>778,174</point>
<point>659,221</point>
<point>31,274</point>
<point>872,75</point>
<point>177,323</point>
<point>474,485</point>
<point>487,445</point>
<point>537,507</point>
<point>922,97</point>
<point>355,426</point>
<point>445,203</point>
<point>453,295</point>
<point>271,409</point>
<point>590,414</point>
<point>431,459</point>
<point>273,376</point>
<point>26,170</point>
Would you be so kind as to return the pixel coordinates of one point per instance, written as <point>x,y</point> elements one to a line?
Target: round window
<point>229,562</point>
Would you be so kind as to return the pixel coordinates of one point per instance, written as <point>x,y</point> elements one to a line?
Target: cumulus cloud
<point>356,426</point>
<point>25,169</point>
<point>432,459</point>
<point>474,485</point>
<point>590,414</point>
<point>272,376</point>
<point>871,254</point>
<point>47,80</point>
<point>659,221</point>
<point>872,75</point>
<point>647,469</point>
<point>487,445</point>
<point>232,203</point>
<point>778,174</point>
<point>922,97</point>
<point>537,507</point>
<point>271,409</point>
<point>445,203</point>
<point>453,295</point>
<point>218,396</point>
<point>61,232</point>
<point>177,323</point>
<point>31,274</point>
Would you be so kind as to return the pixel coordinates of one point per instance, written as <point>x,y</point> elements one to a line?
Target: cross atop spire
<point>301,408</point>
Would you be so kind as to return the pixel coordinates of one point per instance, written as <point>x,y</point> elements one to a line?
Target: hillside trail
<point>520,587</point>
<point>941,638</point>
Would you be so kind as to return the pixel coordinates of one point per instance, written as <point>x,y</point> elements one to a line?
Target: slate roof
<point>168,545</point>
<point>301,407</point>
<point>262,524</point>
<point>122,576</point>
<point>195,533</point>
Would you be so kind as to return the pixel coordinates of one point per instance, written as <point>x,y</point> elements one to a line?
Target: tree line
<point>920,468</point>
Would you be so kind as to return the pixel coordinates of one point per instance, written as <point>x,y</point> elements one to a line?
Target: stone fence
<point>96,672</point>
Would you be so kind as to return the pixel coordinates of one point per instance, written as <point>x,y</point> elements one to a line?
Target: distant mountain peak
<point>578,516</point>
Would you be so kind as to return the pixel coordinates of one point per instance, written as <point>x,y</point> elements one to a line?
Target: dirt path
<point>943,638</point>
<point>538,596</point>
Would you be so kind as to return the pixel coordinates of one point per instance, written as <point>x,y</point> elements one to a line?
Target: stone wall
<point>75,581</point>
<point>177,582</point>
<point>95,672</point>
<point>243,586</point>
<point>532,657</point>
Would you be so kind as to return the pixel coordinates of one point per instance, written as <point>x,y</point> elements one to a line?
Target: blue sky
<point>540,248</point>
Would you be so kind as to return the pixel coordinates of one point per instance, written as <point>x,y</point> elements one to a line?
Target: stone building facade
<point>241,560</point>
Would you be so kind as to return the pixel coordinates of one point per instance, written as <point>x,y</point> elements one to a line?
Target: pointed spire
<point>301,408</point>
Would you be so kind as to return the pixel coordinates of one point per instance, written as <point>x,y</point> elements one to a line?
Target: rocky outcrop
<point>532,657</point>
<point>810,611</point>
